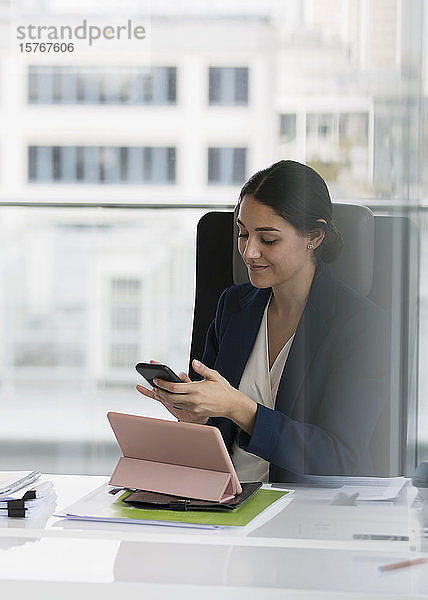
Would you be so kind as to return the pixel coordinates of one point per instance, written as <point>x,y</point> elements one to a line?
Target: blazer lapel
<point>241,334</point>
<point>310,333</point>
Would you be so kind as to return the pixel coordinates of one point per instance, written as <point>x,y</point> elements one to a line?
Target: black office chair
<point>374,261</point>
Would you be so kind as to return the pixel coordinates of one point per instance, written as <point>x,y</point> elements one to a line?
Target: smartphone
<point>152,371</point>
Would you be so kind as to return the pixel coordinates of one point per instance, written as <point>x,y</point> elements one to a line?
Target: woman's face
<point>272,249</point>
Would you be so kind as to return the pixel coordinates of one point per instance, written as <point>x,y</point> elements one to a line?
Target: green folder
<point>238,517</point>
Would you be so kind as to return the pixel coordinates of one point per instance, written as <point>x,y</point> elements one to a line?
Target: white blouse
<point>261,385</point>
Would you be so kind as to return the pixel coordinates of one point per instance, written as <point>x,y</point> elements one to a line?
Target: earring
<point>310,246</point>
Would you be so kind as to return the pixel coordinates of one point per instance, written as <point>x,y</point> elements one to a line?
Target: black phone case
<point>152,371</point>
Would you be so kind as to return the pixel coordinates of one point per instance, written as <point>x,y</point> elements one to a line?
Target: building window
<point>125,318</point>
<point>322,126</point>
<point>354,128</point>
<point>288,127</point>
<point>124,356</point>
<point>226,166</point>
<point>125,321</point>
<point>346,129</point>
<point>101,164</point>
<point>96,85</point>
<point>228,86</point>
<point>125,288</point>
<point>40,164</point>
<point>125,304</point>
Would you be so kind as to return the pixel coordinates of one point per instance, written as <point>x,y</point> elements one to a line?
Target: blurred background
<point>111,152</point>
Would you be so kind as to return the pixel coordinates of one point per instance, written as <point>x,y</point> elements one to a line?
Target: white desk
<point>309,550</point>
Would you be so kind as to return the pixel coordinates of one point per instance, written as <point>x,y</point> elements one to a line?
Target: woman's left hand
<point>211,397</point>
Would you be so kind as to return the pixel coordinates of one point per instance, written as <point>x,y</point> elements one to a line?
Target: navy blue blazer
<point>333,386</point>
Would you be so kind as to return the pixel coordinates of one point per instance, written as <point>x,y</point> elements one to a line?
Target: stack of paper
<point>10,483</point>
<point>21,497</point>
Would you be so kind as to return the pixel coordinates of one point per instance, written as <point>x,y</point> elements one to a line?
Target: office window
<point>288,127</point>
<point>228,86</point>
<point>69,163</point>
<point>89,164</point>
<point>109,163</point>
<point>41,85</point>
<point>114,87</point>
<point>157,86</point>
<point>40,164</point>
<point>101,164</point>
<point>68,85</point>
<point>101,85</point>
<point>170,84</point>
<point>226,166</point>
<point>56,163</point>
<point>33,85</point>
<point>88,86</point>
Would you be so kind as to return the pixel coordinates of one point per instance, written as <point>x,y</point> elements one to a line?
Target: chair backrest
<point>395,288</point>
<point>376,252</point>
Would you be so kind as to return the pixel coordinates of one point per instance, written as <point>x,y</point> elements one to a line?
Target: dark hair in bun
<point>299,195</point>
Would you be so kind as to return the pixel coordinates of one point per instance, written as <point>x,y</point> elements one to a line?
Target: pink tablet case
<point>181,459</point>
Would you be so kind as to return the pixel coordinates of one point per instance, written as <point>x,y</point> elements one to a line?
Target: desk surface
<point>312,549</point>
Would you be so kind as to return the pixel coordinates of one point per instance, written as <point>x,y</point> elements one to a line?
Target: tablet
<point>170,457</point>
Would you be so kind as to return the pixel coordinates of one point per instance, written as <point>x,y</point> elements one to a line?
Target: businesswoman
<point>293,372</point>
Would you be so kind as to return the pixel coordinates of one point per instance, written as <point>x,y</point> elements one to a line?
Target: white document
<point>370,489</point>
<point>387,491</point>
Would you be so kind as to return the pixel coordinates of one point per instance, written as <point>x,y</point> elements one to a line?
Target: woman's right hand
<point>181,415</point>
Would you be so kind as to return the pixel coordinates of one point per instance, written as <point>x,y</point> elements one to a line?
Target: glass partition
<point>110,152</point>
<point>85,295</point>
